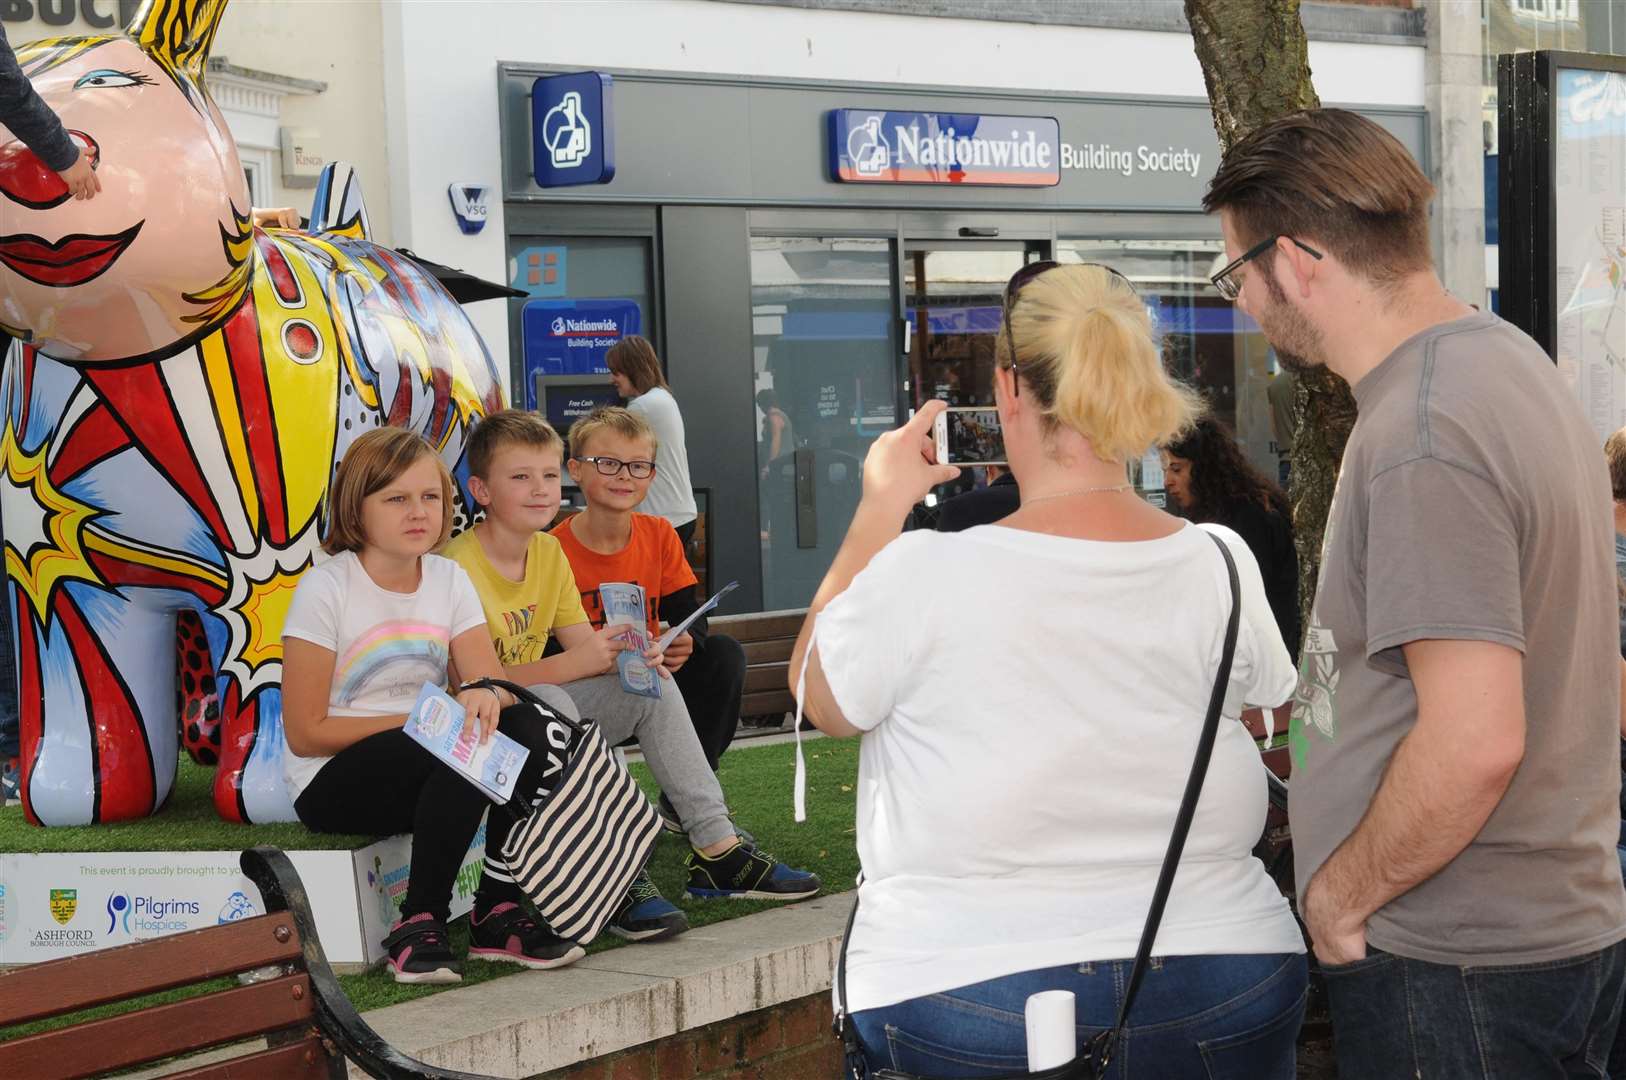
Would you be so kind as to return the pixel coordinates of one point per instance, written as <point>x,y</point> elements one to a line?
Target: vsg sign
<point>868,146</point>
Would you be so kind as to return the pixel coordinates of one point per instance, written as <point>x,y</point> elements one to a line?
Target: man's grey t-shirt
<point>1473,504</point>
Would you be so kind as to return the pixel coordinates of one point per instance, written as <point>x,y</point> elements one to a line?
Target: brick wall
<point>787,1042</point>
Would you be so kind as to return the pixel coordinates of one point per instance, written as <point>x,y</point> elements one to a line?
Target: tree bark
<point>1255,61</point>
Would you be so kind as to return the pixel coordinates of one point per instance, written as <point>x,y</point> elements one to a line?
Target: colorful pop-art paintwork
<point>184,387</point>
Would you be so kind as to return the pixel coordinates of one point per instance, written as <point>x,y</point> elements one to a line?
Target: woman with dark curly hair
<point>1211,480</point>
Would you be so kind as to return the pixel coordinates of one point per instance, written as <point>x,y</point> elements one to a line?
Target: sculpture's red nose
<point>25,179</point>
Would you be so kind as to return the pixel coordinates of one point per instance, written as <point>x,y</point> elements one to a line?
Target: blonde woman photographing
<point>1030,696</point>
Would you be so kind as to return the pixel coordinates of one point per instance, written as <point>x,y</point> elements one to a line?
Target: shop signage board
<point>868,146</point>
<point>571,337</point>
<point>573,129</point>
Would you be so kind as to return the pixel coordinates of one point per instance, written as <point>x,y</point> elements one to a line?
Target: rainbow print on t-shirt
<point>392,660</point>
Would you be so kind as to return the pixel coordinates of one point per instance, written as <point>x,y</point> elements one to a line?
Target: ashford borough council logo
<point>64,902</point>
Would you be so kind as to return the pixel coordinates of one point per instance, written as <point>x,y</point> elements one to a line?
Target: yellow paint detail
<point>264,611</point>
<point>39,571</point>
<point>217,369</point>
<point>140,555</point>
<point>304,396</point>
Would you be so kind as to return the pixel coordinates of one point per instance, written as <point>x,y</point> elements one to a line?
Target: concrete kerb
<point>537,1021</point>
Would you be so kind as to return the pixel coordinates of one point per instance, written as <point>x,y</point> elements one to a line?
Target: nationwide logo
<point>943,148</point>
<point>566,133</point>
<point>64,903</point>
<point>564,327</point>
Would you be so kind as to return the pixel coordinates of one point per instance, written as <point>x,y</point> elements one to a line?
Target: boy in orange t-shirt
<point>610,542</point>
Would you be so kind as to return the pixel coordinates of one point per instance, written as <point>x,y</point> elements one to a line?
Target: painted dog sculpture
<point>182,389</point>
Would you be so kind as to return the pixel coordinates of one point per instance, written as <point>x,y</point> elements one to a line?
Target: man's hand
<point>81,178</point>
<point>1335,936</point>
<point>275,217</point>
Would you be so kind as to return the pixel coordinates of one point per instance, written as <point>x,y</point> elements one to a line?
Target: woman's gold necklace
<point>1026,502</point>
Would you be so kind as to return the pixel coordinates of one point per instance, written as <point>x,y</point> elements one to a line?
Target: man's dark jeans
<point>1395,1017</point>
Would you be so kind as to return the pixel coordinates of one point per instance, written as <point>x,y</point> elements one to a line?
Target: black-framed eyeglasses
<point>610,466</point>
<point>1014,286</point>
<point>1225,281</point>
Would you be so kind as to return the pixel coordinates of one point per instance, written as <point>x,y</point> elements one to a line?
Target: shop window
<point>825,379</point>
<point>610,277</point>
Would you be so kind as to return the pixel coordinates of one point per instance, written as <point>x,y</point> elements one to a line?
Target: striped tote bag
<point>577,850</point>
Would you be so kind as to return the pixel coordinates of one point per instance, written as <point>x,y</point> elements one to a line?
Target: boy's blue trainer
<point>746,872</point>
<point>646,915</point>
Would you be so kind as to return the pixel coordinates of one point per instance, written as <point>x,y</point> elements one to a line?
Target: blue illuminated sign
<point>573,129</point>
<point>570,337</point>
<point>868,146</point>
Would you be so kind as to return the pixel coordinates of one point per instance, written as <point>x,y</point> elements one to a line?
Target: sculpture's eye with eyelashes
<point>106,78</point>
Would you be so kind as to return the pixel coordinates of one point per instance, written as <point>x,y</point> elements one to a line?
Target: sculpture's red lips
<point>72,260</point>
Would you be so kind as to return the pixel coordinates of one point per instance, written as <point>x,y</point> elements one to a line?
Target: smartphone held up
<point>969,435</point>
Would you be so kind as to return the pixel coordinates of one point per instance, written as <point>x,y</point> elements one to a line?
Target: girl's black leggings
<point>387,784</point>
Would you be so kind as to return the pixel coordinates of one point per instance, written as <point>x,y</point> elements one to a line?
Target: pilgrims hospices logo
<point>64,905</point>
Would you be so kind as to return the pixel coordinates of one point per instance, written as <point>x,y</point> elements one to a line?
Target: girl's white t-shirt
<point>386,645</point>
<point>670,495</point>
<point>1031,705</point>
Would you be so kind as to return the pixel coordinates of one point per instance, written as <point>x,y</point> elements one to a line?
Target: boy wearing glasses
<point>612,458</point>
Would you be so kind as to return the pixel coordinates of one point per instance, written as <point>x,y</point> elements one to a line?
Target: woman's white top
<point>670,496</point>
<point>1031,705</point>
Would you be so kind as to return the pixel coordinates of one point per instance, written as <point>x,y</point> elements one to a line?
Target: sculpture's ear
<point>178,33</point>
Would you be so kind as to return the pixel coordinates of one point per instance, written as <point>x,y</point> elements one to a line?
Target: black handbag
<point>576,850</point>
<point>1092,1061</point>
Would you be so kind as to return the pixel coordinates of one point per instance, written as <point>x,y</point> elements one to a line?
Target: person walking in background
<point>1210,479</point>
<point>636,372</point>
<point>778,436</point>
<point>1010,834</point>
<point>1455,794</point>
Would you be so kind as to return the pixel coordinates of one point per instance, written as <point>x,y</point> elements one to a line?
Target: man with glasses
<point>1454,790</point>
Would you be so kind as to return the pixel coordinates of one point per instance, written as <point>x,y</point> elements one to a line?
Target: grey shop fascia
<point>704,162</point>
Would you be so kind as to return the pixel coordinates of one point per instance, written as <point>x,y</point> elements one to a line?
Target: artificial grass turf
<point>756,780</point>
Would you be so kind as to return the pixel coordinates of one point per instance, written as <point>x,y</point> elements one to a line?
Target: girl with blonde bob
<point>1030,695</point>
<point>365,630</point>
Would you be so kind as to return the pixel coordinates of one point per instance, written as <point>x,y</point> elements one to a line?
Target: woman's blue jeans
<point>1233,1017</point>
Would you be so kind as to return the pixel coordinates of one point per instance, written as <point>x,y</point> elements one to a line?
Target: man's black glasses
<point>609,466</point>
<point>1225,281</point>
<point>1023,275</point>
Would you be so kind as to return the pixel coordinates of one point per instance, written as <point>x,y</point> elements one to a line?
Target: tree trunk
<point>1255,61</point>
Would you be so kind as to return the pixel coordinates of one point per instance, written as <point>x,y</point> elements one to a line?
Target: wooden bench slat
<point>759,627</point>
<point>145,967</point>
<point>776,651</point>
<point>161,1031</point>
<point>766,677</point>
<point>767,703</point>
<point>304,1060</point>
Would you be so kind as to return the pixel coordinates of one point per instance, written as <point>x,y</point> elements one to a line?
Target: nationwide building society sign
<point>868,146</point>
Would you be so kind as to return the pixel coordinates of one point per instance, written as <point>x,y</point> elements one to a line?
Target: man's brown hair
<point>373,462</point>
<point>1331,177</point>
<point>504,428</point>
<point>1614,448</point>
<point>634,357</point>
<point>614,419</point>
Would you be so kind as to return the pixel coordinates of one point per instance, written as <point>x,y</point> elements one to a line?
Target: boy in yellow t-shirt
<point>529,595</point>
